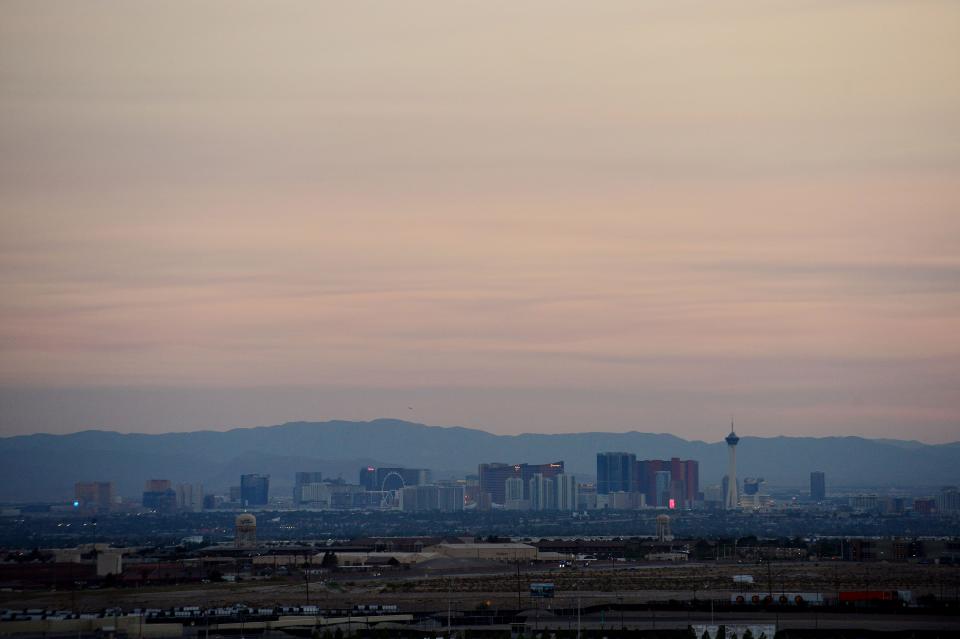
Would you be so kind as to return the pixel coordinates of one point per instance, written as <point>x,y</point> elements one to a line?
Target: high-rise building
<point>864,502</point>
<point>733,498</point>
<point>662,482</point>
<point>514,488</point>
<point>542,492</point>
<point>818,485</point>
<point>159,496</point>
<point>752,485</point>
<point>924,505</point>
<point>254,490</point>
<point>625,501</point>
<point>713,496</point>
<point>420,498</point>
<point>586,497</point>
<point>408,499</point>
<point>313,494</point>
<point>156,485</point>
<point>494,476</point>
<point>302,479</point>
<point>190,497</point>
<point>493,480</point>
<point>450,498</point>
<point>567,492</point>
<point>368,478</point>
<point>893,505</point>
<point>684,478</point>
<point>334,495</point>
<point>428,497</point>
<point>514,492</point>
<point>615,472</point>
<point>948,501</point>
<point>537,492</point>
<point>691,477</point>
<point>93,496</point>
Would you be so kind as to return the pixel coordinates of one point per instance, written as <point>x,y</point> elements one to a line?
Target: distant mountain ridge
<point>45,467</point>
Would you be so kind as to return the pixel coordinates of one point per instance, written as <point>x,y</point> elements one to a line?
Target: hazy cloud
<point>533,216</point>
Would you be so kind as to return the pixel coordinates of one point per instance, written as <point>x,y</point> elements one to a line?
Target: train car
<point>875,597</point>
<point>780,599</point>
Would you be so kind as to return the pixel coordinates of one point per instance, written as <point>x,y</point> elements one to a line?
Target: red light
<point>371,468</point>
<point>673,504</point>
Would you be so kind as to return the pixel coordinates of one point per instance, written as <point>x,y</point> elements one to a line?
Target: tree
<point>721,633</point>
<point>747,634</point>
<point>706,635</point>
<point>329,561</point>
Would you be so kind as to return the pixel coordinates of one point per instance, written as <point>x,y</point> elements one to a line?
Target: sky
<point>540,216</point>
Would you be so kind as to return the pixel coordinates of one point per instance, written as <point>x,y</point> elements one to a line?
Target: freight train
<point>238,611</point>
<point>843,598</point>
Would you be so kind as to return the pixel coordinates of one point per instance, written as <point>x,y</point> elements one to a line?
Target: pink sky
<point>538,216</point>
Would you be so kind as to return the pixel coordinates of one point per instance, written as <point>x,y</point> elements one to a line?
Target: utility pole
<point>578,614</point>
<point>769,580</point>
<point>306,577</point>
<point>519,605</point>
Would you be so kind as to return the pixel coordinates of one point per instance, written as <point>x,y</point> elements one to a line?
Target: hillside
<point>44,467</point>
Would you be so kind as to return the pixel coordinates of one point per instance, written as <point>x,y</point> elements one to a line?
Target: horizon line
<point>228,429</point>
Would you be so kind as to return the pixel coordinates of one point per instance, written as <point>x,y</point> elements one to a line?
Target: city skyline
<point>391,453</point>
<point>629,216</point>
<point>350,320</point>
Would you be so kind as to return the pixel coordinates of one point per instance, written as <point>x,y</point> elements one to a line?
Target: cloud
<point>675,200</point>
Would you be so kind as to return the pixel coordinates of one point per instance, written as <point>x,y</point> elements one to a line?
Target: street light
<point>620,597</point>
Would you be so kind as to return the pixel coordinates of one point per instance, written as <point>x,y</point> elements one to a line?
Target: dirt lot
<point>430,588</point>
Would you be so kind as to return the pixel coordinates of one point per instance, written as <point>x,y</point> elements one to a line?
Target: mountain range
<point>45,467</point>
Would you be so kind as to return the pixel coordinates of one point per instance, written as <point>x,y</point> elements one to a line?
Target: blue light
<point>76,503</point>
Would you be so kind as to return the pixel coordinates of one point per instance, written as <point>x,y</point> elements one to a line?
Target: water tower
<point>246,531</point>
<point>663,528</point>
